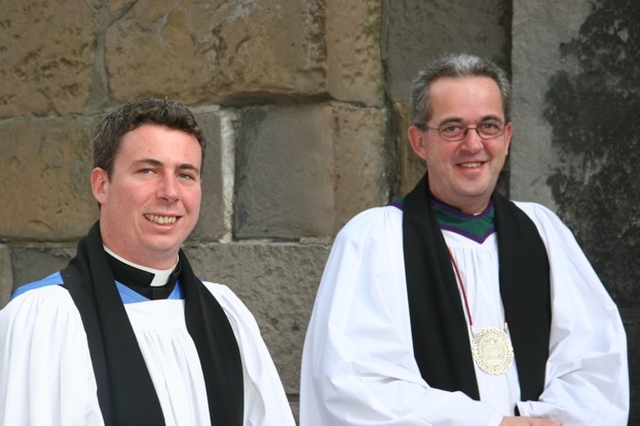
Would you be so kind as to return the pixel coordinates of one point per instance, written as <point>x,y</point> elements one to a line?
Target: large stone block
<point>48,54</point>
<point>581,130</point>
<point>278,283</point>
<point>576,143</point>
<point>420,31</point>
<point>539,29</point>
<point>217,175</point>
<point>354,57</point>
<point>284,173</point>
<point>45,167</point>
<point>221,52</point>
<point>362,160</point>
<point>32,263</point>
<point>302,172</point>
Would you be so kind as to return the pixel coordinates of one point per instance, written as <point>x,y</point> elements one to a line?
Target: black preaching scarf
<point>125,390</point>
<point>438,324</point>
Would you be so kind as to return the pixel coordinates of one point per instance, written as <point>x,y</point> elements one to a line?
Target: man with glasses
<point>455,306</point>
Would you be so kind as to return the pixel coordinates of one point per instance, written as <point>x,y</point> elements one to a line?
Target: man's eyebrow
<point>157,163</point>
<point>491,117</point>
<point>147,161</point>
<point>451,120</point>
<point>457,120</point>
<point>187,166</point>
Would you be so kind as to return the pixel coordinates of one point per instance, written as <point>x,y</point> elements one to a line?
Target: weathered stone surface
<point>354,57</point>
<point>420,31</point>
<point>47,51</point>
<point>45,166</point>
<point>34,263</point>
<point>284,173</point>
<point>577,135</point>
<point>220,52</point>
<point>590,138</point>
<point>6,275</point>
<point>303,172</point>
<point>410,167</point>
<point>361,161</point>
<point>539,28</point>
<point>278,283</point>
<point>214,222</point>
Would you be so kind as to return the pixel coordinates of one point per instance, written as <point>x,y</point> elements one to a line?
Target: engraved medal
<point>492,350</point>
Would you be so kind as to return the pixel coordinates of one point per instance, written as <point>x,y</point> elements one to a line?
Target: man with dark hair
<point>455,306</point>
<point>126,334</point>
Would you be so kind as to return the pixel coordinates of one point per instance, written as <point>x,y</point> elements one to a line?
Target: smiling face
<point>151,202</point>
<point>464,173</point>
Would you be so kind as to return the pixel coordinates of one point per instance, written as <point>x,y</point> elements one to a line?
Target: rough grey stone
<point>284,173</point>
<point>420,31</point>
<point>539,28</point>
<point>587,158</point>
<point>361,161</point>
<point>217,52</point>
<point>34,263</point>
<point>329,159</point>
<point>47,57</point>
<point>354,57</point>
<point>278,283</point>
<point>211,224</point>
<point>45,167</point>
<point>577,139</point>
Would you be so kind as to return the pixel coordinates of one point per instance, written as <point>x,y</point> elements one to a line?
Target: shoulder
<point>234,308</point>
<point>40,298</point>
<point>222,293</point>
<point>535,209</point>
<point>542,216</point>
<point>44,311</point>
<point>372,221</point>
<point>553,231</point>
<point>52,280</point>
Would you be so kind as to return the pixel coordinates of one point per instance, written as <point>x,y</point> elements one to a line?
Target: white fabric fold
<point>46,376</point>
<point>358,365</point>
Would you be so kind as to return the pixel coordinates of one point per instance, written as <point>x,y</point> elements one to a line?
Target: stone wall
<point>576,77</point>
<point>304,104</point>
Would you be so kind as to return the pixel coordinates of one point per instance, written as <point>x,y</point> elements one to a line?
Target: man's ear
<point>507,137</point>
<point>99,185</point>
<point>417,140</point>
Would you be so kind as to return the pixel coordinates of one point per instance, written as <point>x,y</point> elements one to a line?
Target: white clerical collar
<point>160,276</point>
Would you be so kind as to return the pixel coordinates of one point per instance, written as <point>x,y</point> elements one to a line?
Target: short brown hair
<point>128,117</point>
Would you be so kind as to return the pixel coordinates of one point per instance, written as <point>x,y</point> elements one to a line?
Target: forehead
<point>159,142</point>
<point>466,96</point>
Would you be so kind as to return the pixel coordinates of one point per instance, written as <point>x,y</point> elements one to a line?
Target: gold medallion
<point>492,350</point>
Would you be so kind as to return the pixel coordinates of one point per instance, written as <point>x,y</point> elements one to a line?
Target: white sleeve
<point>587,381</point>
<point>266,403</point>
<point>358,365</point>
<point>46,376</point>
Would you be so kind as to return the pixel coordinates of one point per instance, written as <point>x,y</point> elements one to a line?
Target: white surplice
<point>46,375</point>
<point>358,366</point>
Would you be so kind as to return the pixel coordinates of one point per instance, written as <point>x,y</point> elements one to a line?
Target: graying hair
<point>455,66</point>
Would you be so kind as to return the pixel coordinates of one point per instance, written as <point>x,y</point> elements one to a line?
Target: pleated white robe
<point>358,366</point>
<point>46,375</point>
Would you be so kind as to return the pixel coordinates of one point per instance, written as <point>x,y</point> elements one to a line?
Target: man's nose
<point>168,189</point>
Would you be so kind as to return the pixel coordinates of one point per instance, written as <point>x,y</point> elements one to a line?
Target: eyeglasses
<point>456,132</point>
